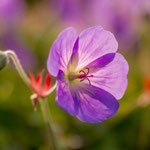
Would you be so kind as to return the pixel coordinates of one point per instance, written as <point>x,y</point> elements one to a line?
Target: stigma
<point>85,75</point>
<point>81,75</point>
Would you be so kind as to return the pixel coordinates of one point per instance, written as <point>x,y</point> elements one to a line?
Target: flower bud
<point>3,60</point>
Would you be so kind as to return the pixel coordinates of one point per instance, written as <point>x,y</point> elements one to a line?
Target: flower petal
<point>95,42</point>
<point>96,104</point>
<point>87,102</point>
<point>61,51</point>
<point>32,80</point>
<point>39,78</point>
<point>47,83</point>
<point>110,73</point>
<point>66,98</point>
<point>74,59</point>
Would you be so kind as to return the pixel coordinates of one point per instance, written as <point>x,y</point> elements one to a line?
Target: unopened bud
<point>3,60</point>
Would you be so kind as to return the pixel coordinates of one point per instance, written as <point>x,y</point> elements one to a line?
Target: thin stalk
<point>43,102</point>
<point>51,90</point>
<point>18,66</point>
<point>47,117</point>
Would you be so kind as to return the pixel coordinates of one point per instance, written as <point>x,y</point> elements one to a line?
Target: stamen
<point>84,76</point>
<point>89,81</point>
<point>88,70</point>
<point>82,71</point>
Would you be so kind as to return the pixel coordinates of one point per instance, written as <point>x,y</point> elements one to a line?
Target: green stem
<point>18,66</point>
<point>49,123</point>
<point>43,102</point>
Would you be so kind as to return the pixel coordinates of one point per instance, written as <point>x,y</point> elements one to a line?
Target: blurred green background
<point>33,28</point>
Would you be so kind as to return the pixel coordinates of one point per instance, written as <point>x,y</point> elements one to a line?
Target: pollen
<point>72,76</point>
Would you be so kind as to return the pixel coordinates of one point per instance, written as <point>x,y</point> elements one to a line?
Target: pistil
<point>85,75</point>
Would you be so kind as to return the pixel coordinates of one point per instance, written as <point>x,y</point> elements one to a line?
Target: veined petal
<point>61,51</point>
<point>66,98</point>
<point>100,62</point>
<point>95,42</point>
<point>96,105</point>
<point>87,102</point>
<point>74,59</point>
<point>110,73</point>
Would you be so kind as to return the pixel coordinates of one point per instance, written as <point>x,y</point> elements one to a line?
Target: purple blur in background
<point>12,12</point>
<point>25,55</point>
<point>91,76</point>
<point>123,18</point>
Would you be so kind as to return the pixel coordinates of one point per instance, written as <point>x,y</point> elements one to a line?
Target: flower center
<point>83,75</point>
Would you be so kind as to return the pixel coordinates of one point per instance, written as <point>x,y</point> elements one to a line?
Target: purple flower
<point>91,76</point>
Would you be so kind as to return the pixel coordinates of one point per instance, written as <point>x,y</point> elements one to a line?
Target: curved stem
<point>43,102</point>
<point>47,117</point>
<point>51,90</point>
<point>18,66</point>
